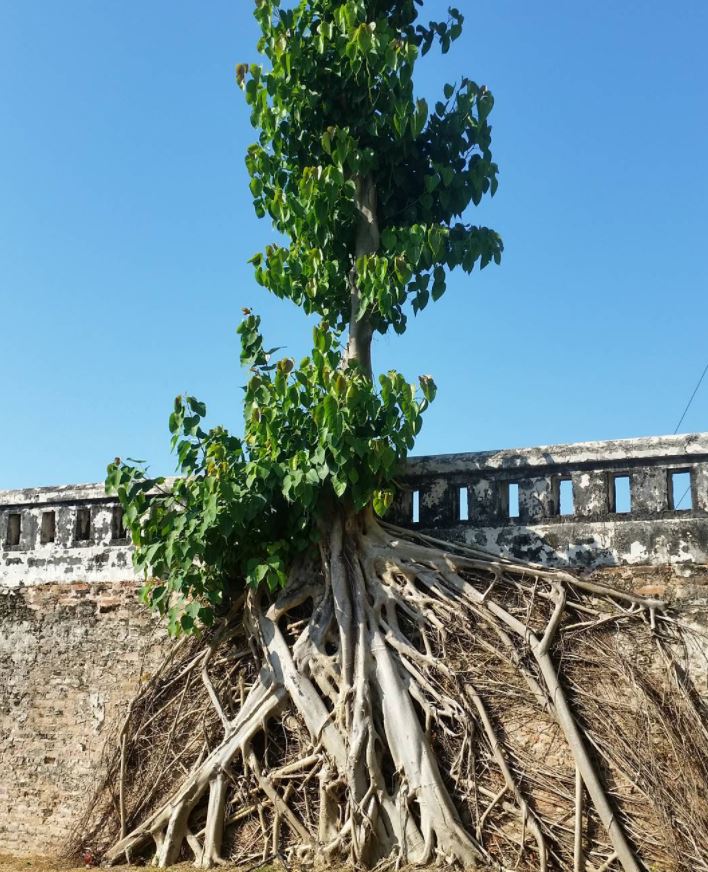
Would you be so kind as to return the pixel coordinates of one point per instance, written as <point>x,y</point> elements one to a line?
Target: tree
<point>358,686</point>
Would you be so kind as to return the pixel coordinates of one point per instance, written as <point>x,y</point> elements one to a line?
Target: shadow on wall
<point>536,546</point>
<point>590,546</point>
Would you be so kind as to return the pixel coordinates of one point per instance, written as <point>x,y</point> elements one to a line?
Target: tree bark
<point>367,242</point>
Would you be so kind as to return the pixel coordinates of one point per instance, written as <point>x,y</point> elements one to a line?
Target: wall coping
<point>620,451</point>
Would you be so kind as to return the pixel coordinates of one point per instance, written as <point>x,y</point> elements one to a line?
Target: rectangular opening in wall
<point>83,525</point>
<point>566,504</point>
<point>513,499</point>
<point>117,525</point>
<point>47,532</point>
<point>14,526</point>
<point>415,509</point>
<point>680,490</point>
<point>621,495</point>
<point>464,511</point>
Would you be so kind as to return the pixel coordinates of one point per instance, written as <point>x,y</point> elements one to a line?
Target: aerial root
<point>528,817</point>
<point>414,701</point>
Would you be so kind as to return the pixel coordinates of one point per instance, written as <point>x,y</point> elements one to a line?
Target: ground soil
<point>46,864</point>
<point>42,864</point>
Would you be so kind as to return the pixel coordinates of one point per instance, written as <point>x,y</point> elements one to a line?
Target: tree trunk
<point>367,242</point>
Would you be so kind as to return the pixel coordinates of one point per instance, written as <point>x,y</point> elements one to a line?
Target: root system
<point>409,701</point>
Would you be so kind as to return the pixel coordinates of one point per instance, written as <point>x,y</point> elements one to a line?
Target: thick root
<point>409,701</point>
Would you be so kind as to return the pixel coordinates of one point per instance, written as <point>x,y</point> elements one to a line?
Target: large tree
<point>348,688</point>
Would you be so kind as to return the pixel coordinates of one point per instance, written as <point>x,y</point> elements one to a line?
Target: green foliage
<point>335,106</point>
<point>243,509</point>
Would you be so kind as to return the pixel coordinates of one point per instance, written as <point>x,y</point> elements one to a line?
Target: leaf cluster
<point>242,509</point>
<point>337,104</point>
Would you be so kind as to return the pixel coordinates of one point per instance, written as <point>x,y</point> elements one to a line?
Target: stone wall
<point>71,655</point>
<point>74,640</point>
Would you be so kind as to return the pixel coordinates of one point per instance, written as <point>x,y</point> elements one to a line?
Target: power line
<point>693,395</point>
<point>678,504</point>
<point>688,406</point>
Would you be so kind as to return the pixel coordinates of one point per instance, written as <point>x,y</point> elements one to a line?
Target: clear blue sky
<point>126,223</point>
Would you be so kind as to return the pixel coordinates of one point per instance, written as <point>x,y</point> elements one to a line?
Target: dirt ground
<point>38,864</point>
<point>49,864</point>
<point>46,864</point>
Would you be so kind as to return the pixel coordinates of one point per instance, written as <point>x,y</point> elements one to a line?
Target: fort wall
<point>75,641</point>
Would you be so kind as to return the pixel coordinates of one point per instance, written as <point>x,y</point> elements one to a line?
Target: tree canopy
<point>369,186</point>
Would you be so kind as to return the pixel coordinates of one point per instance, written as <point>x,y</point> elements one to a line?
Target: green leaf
<point>197,407</point>
<point>439,283</point>
<point>327,140</point>
<point>448,174</point>
<point>420,116</point>
<point>382,501</point>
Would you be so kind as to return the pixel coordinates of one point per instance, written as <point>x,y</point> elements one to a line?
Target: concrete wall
<point>593,533</point>
<point>75,641</point>
<point>54,534</point>
<point>74,532</point>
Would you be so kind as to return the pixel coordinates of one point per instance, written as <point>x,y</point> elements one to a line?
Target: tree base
<point>413,701</point>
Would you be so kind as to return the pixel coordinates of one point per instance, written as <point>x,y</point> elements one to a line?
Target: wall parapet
<point>585,505</point>
<point>68,533</point>
<point>558,505</point>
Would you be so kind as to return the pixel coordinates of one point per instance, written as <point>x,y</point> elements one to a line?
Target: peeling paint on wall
<point>87,543</point>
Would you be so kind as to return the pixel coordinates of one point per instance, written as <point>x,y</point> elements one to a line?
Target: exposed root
<point>411,701</point>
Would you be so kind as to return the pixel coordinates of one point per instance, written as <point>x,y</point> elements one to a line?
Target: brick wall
<point>71,655</point>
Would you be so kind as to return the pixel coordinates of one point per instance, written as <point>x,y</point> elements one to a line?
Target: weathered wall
<point>71,655</point>
<point>592,533</point>
<point>74,640</point>
<point>50,534</point>
<point>75,532</point>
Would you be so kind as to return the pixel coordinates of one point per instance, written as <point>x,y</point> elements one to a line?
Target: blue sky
<point>126,223</point>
